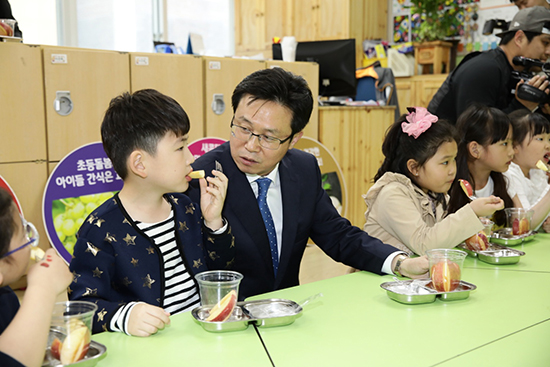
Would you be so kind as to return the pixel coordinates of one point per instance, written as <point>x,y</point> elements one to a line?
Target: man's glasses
<point>268,142</point>
<point>32,237</point>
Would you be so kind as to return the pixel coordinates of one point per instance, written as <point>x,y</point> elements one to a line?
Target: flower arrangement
<point>435,19</point>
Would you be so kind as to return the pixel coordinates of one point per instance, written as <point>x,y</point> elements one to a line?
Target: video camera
<point>526,91</point>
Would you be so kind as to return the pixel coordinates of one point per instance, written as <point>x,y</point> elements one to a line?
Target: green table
<point>184,343</point>
<point>505,322</point>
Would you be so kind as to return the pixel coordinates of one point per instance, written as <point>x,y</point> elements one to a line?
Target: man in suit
<point>271,108</point>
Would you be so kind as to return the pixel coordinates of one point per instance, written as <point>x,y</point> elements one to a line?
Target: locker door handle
<point>218,105</point>
<point>63,104</point>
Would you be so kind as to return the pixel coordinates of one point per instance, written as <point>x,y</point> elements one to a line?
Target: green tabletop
<point>184,343</point>
<point>356,323</point>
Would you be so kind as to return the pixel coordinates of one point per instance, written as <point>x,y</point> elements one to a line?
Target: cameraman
<point>522,4</point>
<point>486,77</point>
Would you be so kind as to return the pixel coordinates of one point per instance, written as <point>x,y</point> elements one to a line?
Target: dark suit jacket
<point>307,212</point>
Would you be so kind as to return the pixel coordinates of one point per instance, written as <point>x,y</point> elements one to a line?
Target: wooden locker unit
<point>28,180</point>
<point>178,76</point>
<point>93,78</point>
<point>23,126</point>
<point>417,90</point>
<point>221,76</point>
<point>258,21</point>
<point>310,72</point>
<point>354,135</point>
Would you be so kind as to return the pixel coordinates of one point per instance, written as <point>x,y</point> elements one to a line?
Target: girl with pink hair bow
<point>407,205</point>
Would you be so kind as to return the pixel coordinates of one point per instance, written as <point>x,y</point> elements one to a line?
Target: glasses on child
<point>31,234</point>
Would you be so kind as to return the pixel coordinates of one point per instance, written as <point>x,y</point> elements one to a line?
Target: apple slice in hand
<point>467,188</point>
<point>197,174</point>
<point>222,310</point>
<point>445,276</point>
<point>541,165</point>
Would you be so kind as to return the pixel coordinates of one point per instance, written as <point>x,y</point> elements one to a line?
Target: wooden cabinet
<point>417,90</point>
<point>354,135</point>
<point>258,21</point>
<point>23,128</point>
<point>93,78</point>
<point>178,76</point>
<point>310,72</point>
<point>221,76</point>
<point>23,133</point>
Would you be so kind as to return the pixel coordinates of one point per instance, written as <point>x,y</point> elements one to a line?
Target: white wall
<point>37,20</point>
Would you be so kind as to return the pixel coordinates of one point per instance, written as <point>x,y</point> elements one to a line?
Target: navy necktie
<point>263,186</point>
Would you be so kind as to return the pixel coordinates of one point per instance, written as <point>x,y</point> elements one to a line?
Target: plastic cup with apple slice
<point>70,331</point>
<point>219,291</point>
<point>519,219</point>
<point>445,268</point>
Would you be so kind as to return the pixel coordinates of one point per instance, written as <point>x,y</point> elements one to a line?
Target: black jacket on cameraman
<point>481,77</point>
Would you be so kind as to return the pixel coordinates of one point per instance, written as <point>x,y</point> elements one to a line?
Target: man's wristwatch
<point>400,259</point>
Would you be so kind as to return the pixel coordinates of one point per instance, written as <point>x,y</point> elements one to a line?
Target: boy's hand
<point>50,274</point>
<point>146,319</point>
<point>484,207</point>
<point>212,199</point>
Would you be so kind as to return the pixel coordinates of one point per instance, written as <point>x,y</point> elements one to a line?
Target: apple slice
<point>37,254</point>
<point>5,30</point>
<point>55,348</point>
<point>515,227</point>
<point>541,165</point>
<point>197,174</point>
<point>445,276</point>
<point>478,242</point>
<point>75,346</point>
<point>466,187</point>
<point>222,310</point>
<point>523,226</point>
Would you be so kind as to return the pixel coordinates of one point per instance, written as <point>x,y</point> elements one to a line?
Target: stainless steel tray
<point>505,237</point>
<point>96,352</point>
<point>418,291</point>
<point>495,254</point>
<point>264,312</point>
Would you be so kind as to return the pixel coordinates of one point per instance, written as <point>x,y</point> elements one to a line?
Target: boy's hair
<point>526,124</point>
<point>399,147</point>
<point>138,121</point>
<point>484,125</point>
<point>8,226</point>
<point>279,86</point>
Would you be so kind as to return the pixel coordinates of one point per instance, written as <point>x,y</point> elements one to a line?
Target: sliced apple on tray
<point>223,309</point>
<point>478,242</point>
<point>75,346</point>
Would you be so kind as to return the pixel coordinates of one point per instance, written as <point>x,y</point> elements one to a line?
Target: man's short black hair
<point>510,36</point>
<point>139,121</point>
<point>280,86</point>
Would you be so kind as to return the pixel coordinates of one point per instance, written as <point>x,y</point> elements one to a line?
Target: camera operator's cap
<point>535,19</point>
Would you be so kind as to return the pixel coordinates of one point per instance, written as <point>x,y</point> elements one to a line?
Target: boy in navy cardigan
<point>137,254</point>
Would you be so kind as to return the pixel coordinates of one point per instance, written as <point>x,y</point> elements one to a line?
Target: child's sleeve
<point>399,216</point>
<point>220,248</point>
<point>93,270</point>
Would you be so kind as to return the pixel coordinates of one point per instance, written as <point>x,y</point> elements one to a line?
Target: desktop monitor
<point>336,61</point>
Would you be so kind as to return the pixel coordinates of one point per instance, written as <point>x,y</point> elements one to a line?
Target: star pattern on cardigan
<point>90,292</point>
<point>91,218</point>
<point>175,200</point>
<point>126,281</point>
<point>130,240</point>
<point>110,238</point>
<point>125,221</point>
<point>150,250</point>
<point>99,222</point>
<point>92,249</point>
<point>148,281</point>
<point>197,263</point>
<point>183,226</point>
<point>75,277</point>
<point>97,273</point>
<point>213,255</point>
<point>134,262</point>
<point>190,209</point>
<point>101,314</point>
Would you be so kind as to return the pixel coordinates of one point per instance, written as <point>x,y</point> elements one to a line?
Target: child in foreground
<point>406,207</point>
<point>531,145</point>
<point>137,254</point>
<point>24,328</point>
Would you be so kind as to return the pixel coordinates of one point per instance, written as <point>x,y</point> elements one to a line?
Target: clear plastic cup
<point>445,268</point>
<point>216,284</point>
<point>70,331</point>
<point>519,220</point>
